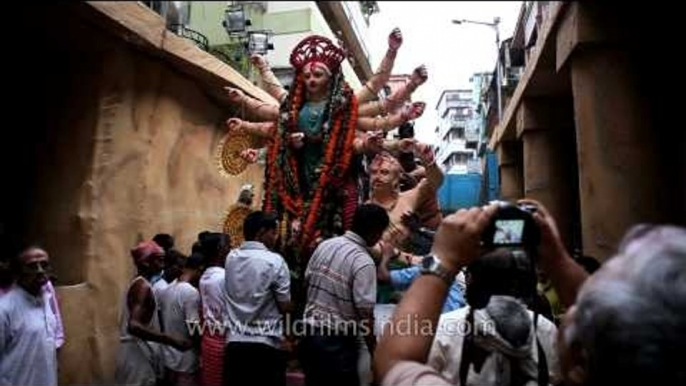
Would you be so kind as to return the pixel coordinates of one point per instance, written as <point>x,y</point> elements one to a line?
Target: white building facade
<point>458,132</point>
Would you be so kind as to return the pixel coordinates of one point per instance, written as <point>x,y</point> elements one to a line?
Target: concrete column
<point>548,157</point>
<point>618,177</point>
<point>509,166</point>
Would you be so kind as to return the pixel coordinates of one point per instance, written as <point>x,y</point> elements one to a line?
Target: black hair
<point>196,247</point>
<point>173,256</point>
<point>212,243</point>
<point>164,240</point>
<point>257,221</point>
<point>502,271</point>
<point>17,251</point>
<point>369,219</point>
<point>508,272</point>
<point>195,261</point>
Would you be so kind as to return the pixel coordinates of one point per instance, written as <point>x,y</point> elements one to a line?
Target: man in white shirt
<point>214,247</point>
<point>28,327</point>
<point>180,307</point>
<point>258,296</point>
<point>503,345</point>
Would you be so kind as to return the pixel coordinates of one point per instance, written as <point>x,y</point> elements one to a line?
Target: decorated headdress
<point>318,49</point>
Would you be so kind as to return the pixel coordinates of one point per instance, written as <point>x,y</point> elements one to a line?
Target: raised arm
<point>270,83</point>
<point>388,123</point>
<point>456,244</point>
<point>434,175</point>
<point>394,101</point>
<point>138,299</point>
<point>262,111</point>
<point>262,130</point>
<point>380,78</point>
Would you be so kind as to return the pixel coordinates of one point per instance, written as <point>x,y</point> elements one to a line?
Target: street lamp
<point>258,42</point>
<point>234,20</point>
<point>498,71</point>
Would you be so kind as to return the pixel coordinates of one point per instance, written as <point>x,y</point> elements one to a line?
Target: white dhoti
<point>138,363</point>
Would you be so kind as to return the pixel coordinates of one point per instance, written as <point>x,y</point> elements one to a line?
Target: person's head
<point>214,246</point>
<point>317,61</point>
<point>164,240</point>
<point>628,325</point>
<point>317,77</point>
<point>174,261</point>
<point>31,267</point>
<point>262,227</point>
<point>384,173</point>
<point>148,258</point>
<point>502,271</point>
<point>196,247</point>
<point>246,195</point>
<point>369,222</point>
<point>193,267</point>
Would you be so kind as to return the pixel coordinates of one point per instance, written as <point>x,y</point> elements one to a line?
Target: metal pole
<point>499,76</point>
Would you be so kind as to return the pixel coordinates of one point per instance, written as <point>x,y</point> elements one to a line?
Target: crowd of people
<point>225,316</point>
<point>351,219</point>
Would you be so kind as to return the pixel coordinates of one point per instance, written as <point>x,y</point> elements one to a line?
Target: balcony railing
<point>196,37</point>
<point>471,135</point>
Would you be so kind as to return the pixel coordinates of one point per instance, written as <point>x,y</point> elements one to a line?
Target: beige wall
<point>128,152</point>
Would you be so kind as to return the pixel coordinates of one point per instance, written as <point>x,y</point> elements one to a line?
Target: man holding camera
<point>506,352</point>
<point>493,341</point>
<point>626,326</point>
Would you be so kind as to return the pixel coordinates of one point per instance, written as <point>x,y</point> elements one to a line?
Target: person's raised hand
<point>395,39</point>
<point>458,239</point>
<point>551,246</point>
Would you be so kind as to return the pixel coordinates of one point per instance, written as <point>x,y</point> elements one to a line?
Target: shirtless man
<point>385,184</point>
<point>138,358</point>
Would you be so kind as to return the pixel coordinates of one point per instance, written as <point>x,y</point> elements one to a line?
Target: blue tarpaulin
<point>459,191</point>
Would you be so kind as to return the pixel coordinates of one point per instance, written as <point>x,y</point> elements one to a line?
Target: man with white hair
<point>628,325</point>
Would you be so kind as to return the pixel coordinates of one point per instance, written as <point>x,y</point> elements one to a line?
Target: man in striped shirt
<point>341,292</point>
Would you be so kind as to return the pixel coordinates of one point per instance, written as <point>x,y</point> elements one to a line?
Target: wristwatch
<point>431,265</point>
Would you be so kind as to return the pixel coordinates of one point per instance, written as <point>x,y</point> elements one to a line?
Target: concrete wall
<point>127,151</point>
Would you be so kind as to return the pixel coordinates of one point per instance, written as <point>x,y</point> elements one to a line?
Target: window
<point>454,133</point>
<point>459,132</point>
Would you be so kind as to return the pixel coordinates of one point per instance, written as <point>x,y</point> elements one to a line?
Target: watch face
<point>428,262</point>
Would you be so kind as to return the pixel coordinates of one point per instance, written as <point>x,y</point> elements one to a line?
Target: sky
<point>451,52</point>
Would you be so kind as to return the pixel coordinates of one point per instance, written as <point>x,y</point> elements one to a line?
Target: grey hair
<point>631,315</point>
<point>511,319</point>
